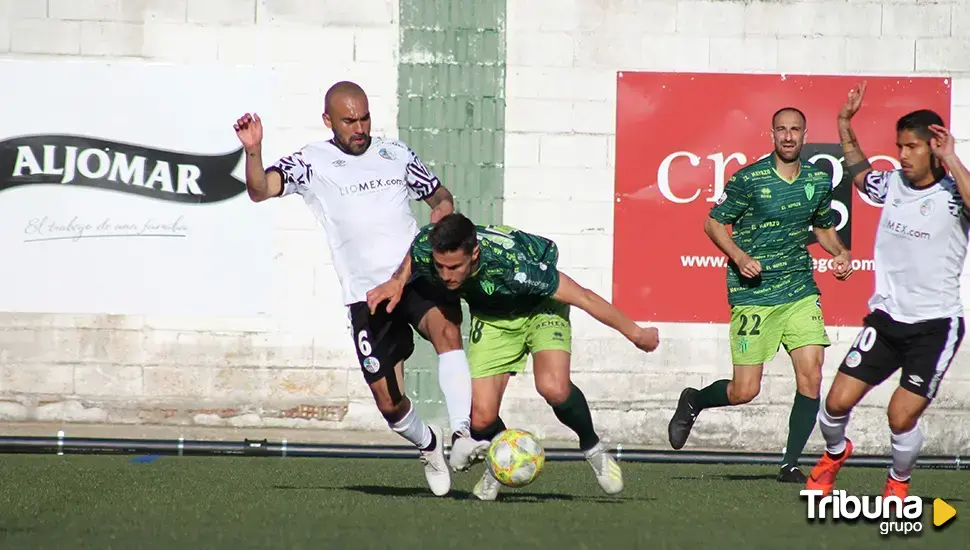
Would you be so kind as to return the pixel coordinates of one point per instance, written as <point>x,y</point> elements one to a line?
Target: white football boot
<point>608,472</point>
<point>435,466</point>
<point>487,487</point>
<point>466,452</point>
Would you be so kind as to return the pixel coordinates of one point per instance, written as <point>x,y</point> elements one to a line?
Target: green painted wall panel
<point>451,111</point>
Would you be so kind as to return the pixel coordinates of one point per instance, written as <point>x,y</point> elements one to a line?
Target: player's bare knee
<point>443,332</point>
<point>901,421</point>
<point>447,337</point>
<point>836,405</point>
<point>745,392</point>
<point>809,383</point>
<point>553,386</point>
<point>482,417</point>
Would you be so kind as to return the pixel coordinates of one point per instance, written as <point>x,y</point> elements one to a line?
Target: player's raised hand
<point>249,130</point>
<point>942,142</point>
<point>843,266</point>
<point>749,267</point>
<point>853,102</point>
<point>647,338</point>
<point>390,291</point>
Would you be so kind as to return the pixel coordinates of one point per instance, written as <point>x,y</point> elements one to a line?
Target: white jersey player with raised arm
<point>920,249</point>
<point>363,204</point>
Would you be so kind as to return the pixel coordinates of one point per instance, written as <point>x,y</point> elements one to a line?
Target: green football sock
<point>714,395</point>
<point>574,414</point>
<point>800,425</point>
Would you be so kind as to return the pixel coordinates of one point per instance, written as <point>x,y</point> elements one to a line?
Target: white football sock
<point>412,428</point>
<point>455,381</point>
<point>906,448</point>
<point>833,430</point>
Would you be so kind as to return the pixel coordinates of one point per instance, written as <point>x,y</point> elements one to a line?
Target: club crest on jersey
<point>926,207</point>
<point>384,153</point>
<point>372,365</point>
<point>488,287</point>
<point>809,190</point>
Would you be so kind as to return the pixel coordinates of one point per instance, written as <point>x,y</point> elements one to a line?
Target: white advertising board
<point>122,190</point>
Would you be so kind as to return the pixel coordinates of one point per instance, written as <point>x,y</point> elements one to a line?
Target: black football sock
<point>489,432</point>
<point>714,395</point>
<point>574,413</point>
<point>801,422</point>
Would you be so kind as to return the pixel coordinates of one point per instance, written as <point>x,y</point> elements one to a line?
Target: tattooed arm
<point>856,163</point>
<point>441,202</point>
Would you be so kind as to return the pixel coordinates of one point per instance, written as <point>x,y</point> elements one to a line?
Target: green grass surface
<point>294,503</point>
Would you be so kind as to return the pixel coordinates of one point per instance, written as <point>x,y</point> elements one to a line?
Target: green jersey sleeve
<point>421,257</point>
<point>823,217</point>
<point>733,202</point>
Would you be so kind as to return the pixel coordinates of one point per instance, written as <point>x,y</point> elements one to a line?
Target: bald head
<point>788,133</point>
<point>347,113</point>
<point>340,92</point>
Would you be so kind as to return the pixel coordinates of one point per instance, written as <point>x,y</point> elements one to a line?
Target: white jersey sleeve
<point>877,186</point>
<point>294,170</point>
<point>422,183</point>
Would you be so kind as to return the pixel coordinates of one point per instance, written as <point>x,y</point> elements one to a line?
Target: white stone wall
<point>561,86</point>
<point>561,105</point>
<point>212,371</point>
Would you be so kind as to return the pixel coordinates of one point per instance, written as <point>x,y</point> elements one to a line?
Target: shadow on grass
<point>730,477</point>
<point>510,495</point>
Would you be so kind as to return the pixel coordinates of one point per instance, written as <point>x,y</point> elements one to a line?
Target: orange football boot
<point>896,488</point>
<point>824,473</point>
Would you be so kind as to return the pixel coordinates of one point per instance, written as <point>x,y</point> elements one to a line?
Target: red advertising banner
<point>680,137</point>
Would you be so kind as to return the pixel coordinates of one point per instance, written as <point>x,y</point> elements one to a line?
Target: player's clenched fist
<point>647,338</point>
<point>249,130</point>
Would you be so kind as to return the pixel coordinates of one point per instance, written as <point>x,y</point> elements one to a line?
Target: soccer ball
<point>515,458</point>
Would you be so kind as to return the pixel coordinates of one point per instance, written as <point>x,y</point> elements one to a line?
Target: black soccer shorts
<point>922,350</point>
<point>384,339</point>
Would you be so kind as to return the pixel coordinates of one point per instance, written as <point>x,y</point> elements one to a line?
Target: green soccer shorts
<point>758,331</point>
<point>500,346</point>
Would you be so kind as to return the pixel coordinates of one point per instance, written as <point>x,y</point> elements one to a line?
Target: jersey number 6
<point>362,344</point>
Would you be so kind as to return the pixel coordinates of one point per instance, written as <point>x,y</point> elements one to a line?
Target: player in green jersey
<point>772,205</point>
<point>519,303</point>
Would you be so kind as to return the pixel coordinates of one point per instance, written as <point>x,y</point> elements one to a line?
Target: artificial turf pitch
<point>244,502</point>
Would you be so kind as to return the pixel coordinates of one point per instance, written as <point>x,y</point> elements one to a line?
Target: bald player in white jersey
<point>360,190</point>
<point>916,316</point>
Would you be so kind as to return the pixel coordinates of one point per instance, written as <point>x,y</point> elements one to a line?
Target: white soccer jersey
<point>363,204</point>
<point>921,245</point>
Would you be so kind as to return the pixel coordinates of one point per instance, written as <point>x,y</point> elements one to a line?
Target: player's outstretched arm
<point>259,184</point>
<point>392,289</point>
<point>570,292</point>
<point>856,163</point>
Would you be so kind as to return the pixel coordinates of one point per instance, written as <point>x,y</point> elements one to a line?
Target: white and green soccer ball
<point>515,458</point>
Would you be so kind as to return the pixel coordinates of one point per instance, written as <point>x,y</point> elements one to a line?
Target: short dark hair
<point>792,109</point>
<point>919,123</point>
<point>453,232</point>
